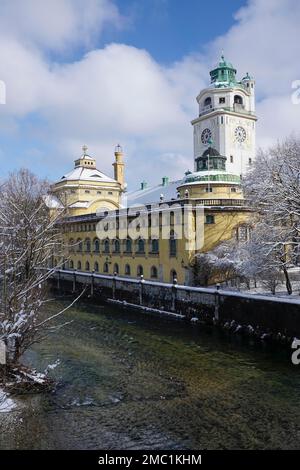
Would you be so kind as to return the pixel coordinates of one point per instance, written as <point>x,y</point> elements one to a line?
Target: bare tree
<point>29,239</point>
<point>273,188</point>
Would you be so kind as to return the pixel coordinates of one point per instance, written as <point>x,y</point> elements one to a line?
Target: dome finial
<point>84,149</point>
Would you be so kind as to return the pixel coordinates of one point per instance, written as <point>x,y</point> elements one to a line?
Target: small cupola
<point>224,74</point>
<point>211,160</point>
<point>85,160</point>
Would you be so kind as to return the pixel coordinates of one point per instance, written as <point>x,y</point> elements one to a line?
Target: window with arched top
<point>105,268</point>
<point>238,99</point>
<point>140,246</point>
<point>172,244</point>
<point>207,101</point>
<point>106,246</point>
<point>96,245</point>
<point>96,267</point>
<point>71,264</point>
<point>154,246</point>
<point>153,272</point>
<point>88,245</point>
<point>173,275</point>
<point>127,270</point>
<point>128,245</point>
<point>116,268</point>
<point>140,270</point>
<point>117,246</point>
<point>79,265</point>
<point>79,245</point>
<point>87,266</point>
<point>71,244</point>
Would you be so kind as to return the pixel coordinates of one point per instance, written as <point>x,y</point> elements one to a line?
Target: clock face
<point>240,134</point>
<point>205,136</point>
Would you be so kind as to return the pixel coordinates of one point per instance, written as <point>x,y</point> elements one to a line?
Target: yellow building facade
<point>151,232</point>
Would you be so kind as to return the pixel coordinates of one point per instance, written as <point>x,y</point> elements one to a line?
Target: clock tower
<point>227,118</point>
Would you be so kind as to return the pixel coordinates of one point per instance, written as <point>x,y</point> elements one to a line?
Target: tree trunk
<point>287,281</point>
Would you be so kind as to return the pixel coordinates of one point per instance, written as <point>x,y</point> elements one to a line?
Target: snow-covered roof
<point>153,193</point>
<point>87,174</point>
<point>213,176</point>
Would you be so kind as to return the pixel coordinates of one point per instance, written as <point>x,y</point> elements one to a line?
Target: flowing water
<point>131,381</point>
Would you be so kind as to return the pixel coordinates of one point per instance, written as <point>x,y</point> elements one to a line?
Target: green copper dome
<point>224,74</point>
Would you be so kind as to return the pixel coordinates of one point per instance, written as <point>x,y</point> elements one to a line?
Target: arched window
<point>140,270</point>
<point>117,246</point>
<point>128,245</point>
<point>238,99</point>
<point>172,244</point>
<point>173,275</point>
<point>79,265</point>
<point>88,245</point>
<point>96,245</point>
<point>140,246</point>
<point>116,268</point>
<point>87,266</point>
<point>154,246</point>
<point>207,101</point>
<point>71,264</point>
<point>106,246</point>
<point>96,267</point>
<point>127,270</point>
<point>79,245</point>
<point>153,272</point>
<point>105,268</point>
<point>71,244</point>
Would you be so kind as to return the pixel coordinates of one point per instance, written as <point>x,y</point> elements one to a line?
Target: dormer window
<point>207,101</point>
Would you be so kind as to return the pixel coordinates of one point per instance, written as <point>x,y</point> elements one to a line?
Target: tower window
<point>208,189</point>
<point>231,158</point>
<point>222,120</point>
<point>233,190</point>
<point>222,100</point>
<point>238,99</point>
<point>250,161</point>
<point>207,101</point>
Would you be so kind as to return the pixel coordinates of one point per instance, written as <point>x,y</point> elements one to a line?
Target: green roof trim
<point>225,177</point>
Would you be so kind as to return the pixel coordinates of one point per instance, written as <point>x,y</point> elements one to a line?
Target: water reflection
<point>129,381</point>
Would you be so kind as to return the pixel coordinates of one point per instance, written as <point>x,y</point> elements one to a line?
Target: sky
<point>103,72</point>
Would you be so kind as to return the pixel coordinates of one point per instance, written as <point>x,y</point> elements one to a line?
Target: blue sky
<point>102,72</point>
<point>171,29</point>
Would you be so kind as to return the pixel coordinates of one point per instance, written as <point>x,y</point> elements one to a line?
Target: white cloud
<point>57,24</point>
<point>121,94</point>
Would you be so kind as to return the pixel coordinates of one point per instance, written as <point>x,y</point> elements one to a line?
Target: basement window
<point>210,219</point>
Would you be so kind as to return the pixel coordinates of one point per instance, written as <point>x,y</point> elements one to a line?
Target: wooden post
<point>174,295</point>
<point>92,284</point>
<point>217,303</point>
<point>74,282</point>
<point>114,282</point>
<point>58,279</point>
<point>141,290</point>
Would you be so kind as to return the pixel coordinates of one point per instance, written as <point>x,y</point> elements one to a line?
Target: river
<point>132,381</point>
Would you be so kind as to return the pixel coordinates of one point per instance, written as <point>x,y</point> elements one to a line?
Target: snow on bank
<point>6,404</point>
